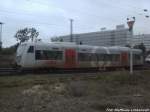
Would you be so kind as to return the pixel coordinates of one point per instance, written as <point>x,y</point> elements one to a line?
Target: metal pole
<point>1,35</point>
<point>71,30</point>
<point>143,38</point>
<point>130,24</point>
<point>131,53</point>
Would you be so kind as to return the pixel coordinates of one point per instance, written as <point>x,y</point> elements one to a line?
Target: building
<point>116,37</point>
<point>144,38</point>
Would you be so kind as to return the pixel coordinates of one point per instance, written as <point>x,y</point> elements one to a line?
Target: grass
<point>106,90</point>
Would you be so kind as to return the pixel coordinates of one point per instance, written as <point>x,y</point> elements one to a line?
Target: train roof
<point>112,49</point>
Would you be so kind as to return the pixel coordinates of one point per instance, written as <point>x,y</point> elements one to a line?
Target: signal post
<point>130,23</point>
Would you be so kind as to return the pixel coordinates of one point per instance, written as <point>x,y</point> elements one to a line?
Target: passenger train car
<point>147,59</point>
<point>63,55</point>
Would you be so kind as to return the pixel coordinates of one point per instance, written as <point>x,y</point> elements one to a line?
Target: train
<point>67,55</point>
<point>147,59</point>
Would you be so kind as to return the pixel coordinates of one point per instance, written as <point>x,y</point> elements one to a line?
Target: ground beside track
<point>44,93</point>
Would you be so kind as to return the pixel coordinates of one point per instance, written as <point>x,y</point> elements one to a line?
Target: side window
<point>94,57</point>
<point>112,57</point>
<point>137,56</point>
<point>83,57</point>
<point>117,57</point>
<point>105,57</point>
<point>37,54</point>
<point>54,55</point>
<point>31,49</point>
<point>100,57</point>
<point>48,55</point>
<point>59,55</point>
<point>44,55</point>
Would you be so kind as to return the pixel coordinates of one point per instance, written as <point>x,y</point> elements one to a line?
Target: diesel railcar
<point>63,55</point>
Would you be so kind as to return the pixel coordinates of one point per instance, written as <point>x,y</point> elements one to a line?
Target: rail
<point>15,71</point>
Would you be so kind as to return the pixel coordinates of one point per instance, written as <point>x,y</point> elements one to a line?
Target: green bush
<point>9,50</point>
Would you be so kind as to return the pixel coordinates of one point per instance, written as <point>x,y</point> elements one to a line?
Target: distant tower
<point>1,35</point>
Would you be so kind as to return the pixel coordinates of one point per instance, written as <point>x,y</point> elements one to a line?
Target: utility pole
<point>1,35</point>
<point>130,23</point>
<point>143,38</point>
<point>71,30</point>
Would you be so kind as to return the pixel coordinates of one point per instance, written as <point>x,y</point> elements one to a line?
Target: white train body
<point>147,59</point>
<point>70,56</point>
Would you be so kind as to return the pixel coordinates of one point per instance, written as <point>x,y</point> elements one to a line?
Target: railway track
<point>15,71</point>
<point>8,71</point>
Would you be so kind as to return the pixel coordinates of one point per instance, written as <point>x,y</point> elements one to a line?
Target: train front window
<point>31,49</point>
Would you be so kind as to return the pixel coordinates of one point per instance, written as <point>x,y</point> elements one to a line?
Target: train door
<point>70,58</point>
<point>124,59</point>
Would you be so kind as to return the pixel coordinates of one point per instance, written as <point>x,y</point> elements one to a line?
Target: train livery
<point>64,55</point>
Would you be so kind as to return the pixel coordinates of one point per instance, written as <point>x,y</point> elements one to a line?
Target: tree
<point>33,33</point>
<point>26,34</point>
<point>10,50</point>
<point>57,39</point>
<point>22,35</point>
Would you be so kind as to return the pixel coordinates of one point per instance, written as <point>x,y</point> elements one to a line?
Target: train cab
<point>147,59</point>
<point>25,54</point>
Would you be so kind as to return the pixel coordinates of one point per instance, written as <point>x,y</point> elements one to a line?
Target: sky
<point>51,17</point>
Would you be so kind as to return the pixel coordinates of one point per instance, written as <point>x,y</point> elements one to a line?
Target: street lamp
<point>1,35</point>
<point>130,22</point>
